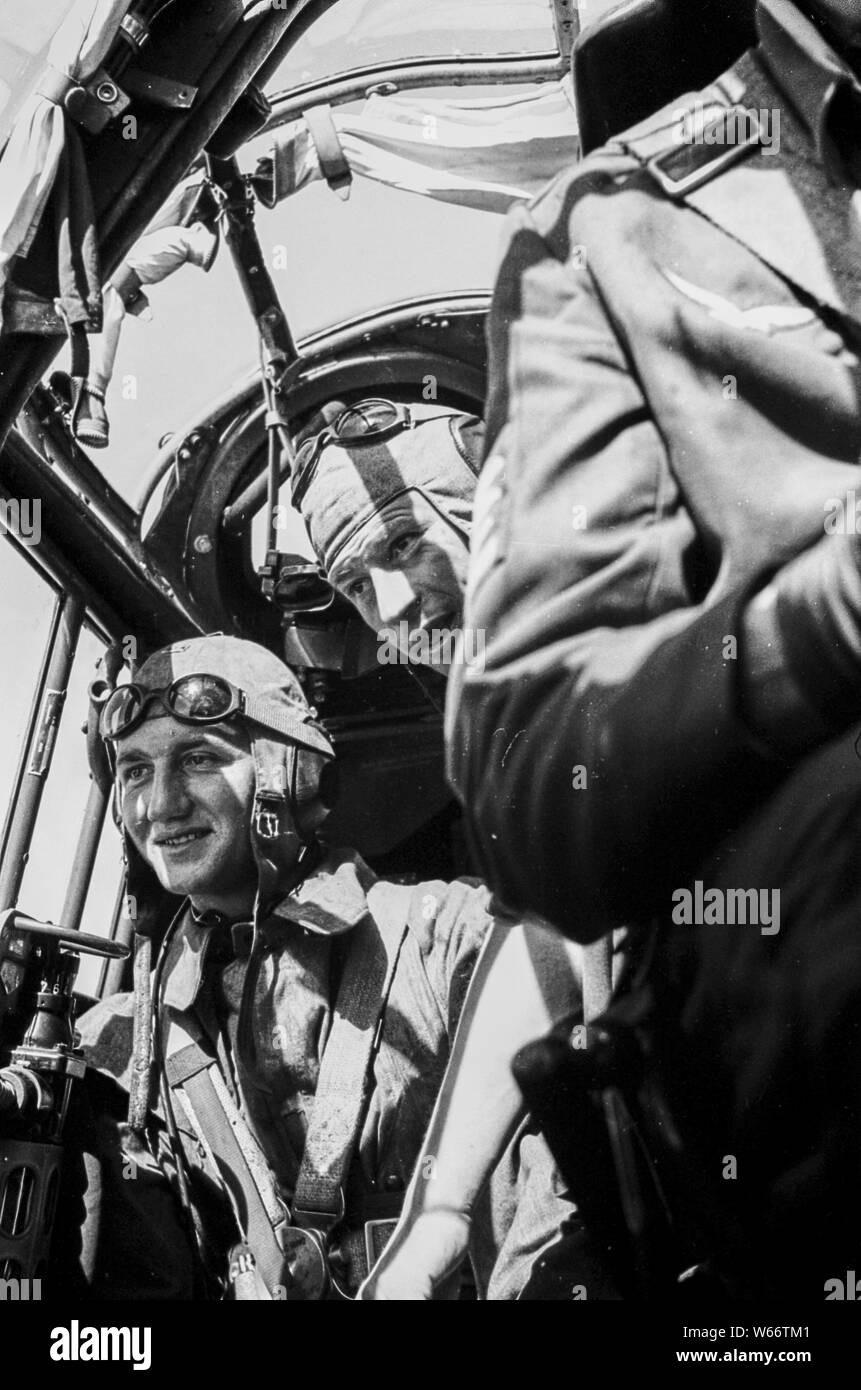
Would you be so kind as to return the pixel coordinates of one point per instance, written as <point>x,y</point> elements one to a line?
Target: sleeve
<point>106,1033</point>
<point>477,1158</point>
<point>603,717</point>
<point>544,1252</point>
<point>450,922</point>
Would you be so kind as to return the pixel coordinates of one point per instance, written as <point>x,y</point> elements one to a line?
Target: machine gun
<point>39,1064</point>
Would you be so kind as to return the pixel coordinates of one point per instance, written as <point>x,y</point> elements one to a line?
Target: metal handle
<point>83,943</point>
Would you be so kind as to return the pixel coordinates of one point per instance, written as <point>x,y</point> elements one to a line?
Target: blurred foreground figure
<point>666,566</point>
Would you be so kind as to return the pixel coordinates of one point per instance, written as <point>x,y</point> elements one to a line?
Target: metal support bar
<point>39,746</point>
<point>122,931</point>
<point>85,858</point>
<point>240,233</point>
<point>38,691</point>
<point>411,75</point>
<point>277,348</point>
<point>566,22</point>
<point>41,425</point>
<point>112,565</point>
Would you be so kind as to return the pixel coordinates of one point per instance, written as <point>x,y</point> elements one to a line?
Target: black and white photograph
<point>430,674</point>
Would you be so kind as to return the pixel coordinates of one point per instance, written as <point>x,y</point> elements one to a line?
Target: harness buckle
<point>323,1221</point>
<point>267,820</point>
<point>377,1236</point>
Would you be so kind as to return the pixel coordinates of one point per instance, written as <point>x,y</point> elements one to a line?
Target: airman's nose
<point>168,798</point>
<point>395,595</point>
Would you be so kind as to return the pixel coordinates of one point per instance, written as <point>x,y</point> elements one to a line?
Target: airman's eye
<point>134,774</point>
<point>200,760</point>
<point>356,589</point>
<point>403,544</point>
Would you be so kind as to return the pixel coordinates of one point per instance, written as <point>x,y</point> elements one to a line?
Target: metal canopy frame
<point>351,84</point>
<point>566,22</point>
<point>211,47</point>
<point>413,74</point>
<point>91,554</point>
<point>37,748</point>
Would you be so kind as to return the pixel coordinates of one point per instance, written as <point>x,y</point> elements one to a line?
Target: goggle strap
<point>304,468</point>
<point>263,712</point>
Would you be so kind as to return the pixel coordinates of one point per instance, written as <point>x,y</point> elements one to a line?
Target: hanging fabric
<point>480,152</point>
<point>34,153</point>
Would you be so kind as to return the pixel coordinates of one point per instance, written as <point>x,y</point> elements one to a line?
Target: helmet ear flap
<point>313,784</point>
<point>330,783</point>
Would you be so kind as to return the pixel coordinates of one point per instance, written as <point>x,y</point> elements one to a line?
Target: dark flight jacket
<point>673,423</point>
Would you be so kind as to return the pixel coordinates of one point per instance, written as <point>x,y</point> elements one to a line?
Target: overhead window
<point>371,33</point>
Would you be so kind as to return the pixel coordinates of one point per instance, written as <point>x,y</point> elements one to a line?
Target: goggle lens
<point>200,697</point>
<point>121,709</point>
<point>368,418</point>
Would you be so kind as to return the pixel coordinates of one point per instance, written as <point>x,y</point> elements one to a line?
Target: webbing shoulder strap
<point>340,1102</point>
<point>344,1084</point>
<point>234,1153</point>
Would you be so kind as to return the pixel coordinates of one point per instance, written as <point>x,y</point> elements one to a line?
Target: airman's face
<point>407,565</point>
<point>186,796</point>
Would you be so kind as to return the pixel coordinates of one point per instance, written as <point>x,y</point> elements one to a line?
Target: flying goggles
<point>367,422</point>
<point>204,699</point>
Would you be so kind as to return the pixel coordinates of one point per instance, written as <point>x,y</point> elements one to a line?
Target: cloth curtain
<point>33,154</point>
<point>484,152</point>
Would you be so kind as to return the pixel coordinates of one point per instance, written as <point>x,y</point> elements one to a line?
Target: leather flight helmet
<point>439,456</point>
<point>294,775</point>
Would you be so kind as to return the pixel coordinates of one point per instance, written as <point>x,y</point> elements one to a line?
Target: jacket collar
<point>330,901</point>
<point>811,75</point>
<point>333,899</point>
<point>787,208</point>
